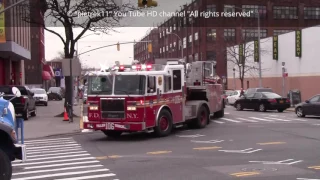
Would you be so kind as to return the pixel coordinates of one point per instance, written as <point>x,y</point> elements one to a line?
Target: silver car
<point>85,94</point>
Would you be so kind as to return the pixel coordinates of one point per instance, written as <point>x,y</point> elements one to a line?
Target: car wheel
<point>26,114</point>
<point>46,103</point>
<point>299,112</point>
<point>262,108</point>
<point>5,166</point>
<point>239,107</point>
<point>34,113</point>
<point>280,110</point>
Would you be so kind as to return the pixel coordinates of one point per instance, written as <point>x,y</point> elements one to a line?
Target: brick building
<point>141,48</point>
<point>207,38</point>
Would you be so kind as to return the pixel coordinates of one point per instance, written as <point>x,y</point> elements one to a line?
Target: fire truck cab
<point>153,98</point>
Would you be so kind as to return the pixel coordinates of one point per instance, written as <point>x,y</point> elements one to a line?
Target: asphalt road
<point>242,145</point>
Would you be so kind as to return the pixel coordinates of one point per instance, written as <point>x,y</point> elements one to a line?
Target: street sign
<point>76,67</point>
<point>57,73</point>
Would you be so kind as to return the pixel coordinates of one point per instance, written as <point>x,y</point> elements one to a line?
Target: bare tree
<point>89,15</point>
<point>245,60</point>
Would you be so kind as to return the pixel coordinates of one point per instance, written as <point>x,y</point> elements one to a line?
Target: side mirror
<point>307,101</point>
<point>16,91</point>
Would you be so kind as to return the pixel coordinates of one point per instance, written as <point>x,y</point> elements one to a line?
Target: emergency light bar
<point>142,67</point>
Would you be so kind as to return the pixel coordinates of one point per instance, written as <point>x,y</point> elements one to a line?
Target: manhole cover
<point>258,169</point>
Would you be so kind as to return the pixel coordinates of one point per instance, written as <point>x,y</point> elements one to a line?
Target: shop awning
<point>46,75</point>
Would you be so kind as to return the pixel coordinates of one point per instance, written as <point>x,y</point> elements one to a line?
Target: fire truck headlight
<point>93,108</point>
<point>131,108</point>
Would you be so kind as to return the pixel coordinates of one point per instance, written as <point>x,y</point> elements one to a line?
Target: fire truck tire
<point>164,124</point>
<point>5,166</point>
<point>202,118</point>
<point>112,134</point>
<point>219,114</point>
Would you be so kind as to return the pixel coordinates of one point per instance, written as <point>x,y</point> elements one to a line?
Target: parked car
<point>262,101</point>
<point>55,93</point>
<point>226,93</point>
<point>309,107</point>
<point>231,99</point>
<point>25,105</point>
<point>40,96</point>
<point>254,90</point>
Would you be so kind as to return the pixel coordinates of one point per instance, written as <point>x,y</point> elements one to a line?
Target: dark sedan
<point>262,101</point>
<point>309,107</point>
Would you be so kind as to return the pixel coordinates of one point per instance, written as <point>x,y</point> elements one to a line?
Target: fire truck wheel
<point>5,166</point>
<point>113,134</point>
<point>164,124</point>
<point>202,118</point>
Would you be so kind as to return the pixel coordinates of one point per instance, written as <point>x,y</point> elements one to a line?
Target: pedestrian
<point>241,92</point>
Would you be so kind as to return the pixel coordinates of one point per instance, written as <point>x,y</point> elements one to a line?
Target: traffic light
<point>118,47</point>
<point>149,3</point>
<point>149,47</point>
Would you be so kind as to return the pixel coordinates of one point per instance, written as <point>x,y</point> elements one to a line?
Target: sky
<point>135,29</point>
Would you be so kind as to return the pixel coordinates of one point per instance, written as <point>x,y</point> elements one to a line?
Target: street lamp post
<point>180,41</point>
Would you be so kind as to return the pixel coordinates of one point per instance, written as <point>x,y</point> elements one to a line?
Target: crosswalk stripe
<point>60,174</point>
<point>47,140</point>
<point>59,165</point>
<point>277,119</point>
<point>260,119</point>
<point>88,177</point>
<point>58,157</point>
<point>247,120</point>
<point>298,120</point>
<point>54,154</point>
<point>53,143</point>
<point>41,151</point>
<point>46,147</point>
<point>47,162</point>
<point>226,119</point>
<point>59,169</point>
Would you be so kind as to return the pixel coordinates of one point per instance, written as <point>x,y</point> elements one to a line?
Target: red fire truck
<point>153,98</point>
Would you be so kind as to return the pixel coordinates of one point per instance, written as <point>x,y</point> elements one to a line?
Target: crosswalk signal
<point>118,47</point>
<point>149,47</point>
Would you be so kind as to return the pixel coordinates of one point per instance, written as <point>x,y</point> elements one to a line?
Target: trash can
<point>295,97</point>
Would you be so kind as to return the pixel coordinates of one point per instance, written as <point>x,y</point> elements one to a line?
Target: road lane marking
<point>54,154</point>
<point>89,177</point>
<point>247,120</point>
<point>44,147</point>
<point>271,143</point>
<point>60,174</point>
<point>42,151</point>
<point>159,152</point>
<point>306,179</point>
<point>226,113</point>
<point>59,169</point>
<point>260,119</point>
<point>277,119</point>
<point>191,136</point>
<point>209,142</point>
<point>226,119</point>
<point>108,157</point>
<point>314,167</point>
<point>240,174</point>
<point>219,122</point>
<point>50,142</point>
<point>206,148</point>
<point>284,162</point>
<point>46,162</point>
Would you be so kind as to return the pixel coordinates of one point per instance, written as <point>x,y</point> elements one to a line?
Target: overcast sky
<point>135,30</point>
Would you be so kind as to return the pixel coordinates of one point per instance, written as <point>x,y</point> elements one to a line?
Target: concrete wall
<point>304,72</point>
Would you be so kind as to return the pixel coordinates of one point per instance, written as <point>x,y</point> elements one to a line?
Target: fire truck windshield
<point>130,84</point>
<point>100,84</point>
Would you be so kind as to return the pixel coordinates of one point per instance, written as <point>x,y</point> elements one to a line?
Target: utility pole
<point>259,49</point>
<point>283,79</point>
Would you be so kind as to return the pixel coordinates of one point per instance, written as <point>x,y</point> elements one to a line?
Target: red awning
<point>46,75</point>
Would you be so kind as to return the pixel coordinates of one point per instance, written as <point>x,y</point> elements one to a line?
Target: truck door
<point>177,96</point>
<point>151,100</point>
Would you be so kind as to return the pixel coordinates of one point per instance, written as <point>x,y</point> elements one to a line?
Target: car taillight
<point>272,100</point>
<point>23,100</point>
<point>288,100</point>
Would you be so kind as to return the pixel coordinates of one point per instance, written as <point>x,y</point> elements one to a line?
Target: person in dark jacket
<point>242,92</point>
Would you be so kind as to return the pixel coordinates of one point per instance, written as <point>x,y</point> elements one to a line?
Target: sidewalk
<point>290,109</point>
<point>45,124</point>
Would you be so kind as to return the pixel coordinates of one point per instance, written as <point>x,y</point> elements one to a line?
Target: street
<point>243,144</point>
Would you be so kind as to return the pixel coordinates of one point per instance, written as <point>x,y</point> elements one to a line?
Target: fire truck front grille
<point>112,108</point>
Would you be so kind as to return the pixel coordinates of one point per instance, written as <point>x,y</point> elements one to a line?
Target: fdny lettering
<point>94,115</point>
<point>101,125</point>
<point>132,115</point>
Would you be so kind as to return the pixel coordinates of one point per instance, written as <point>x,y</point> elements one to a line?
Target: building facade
<point>302,72</point>
<point>34,69</point>
<point>198,38</point>
<point>15,46</point>
<point>141,51</point>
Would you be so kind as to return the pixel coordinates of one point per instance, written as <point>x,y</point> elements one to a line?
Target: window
<point>315,99</point>
<point>151,84</point>
<point>196,36</point>
<point>184,42</point>
<point>170,46</point>
<point>176,79</point>
<point>230,34</point>
<point>174,27</point>
<point>129,84</point>
<point>170,29</point>
<point>312,13</point>
<point>211,8</point>
<point>271,95</point>
<point>211,35</point>
<point>211,55</point>
<point>98,84</point>
<point>229,8</point>
<point>160,34</point>
<point>174,44</point>
<point>282,12</point>
<point>164,49</point>
<point>252,34</point>
<point>257,96</point>
<point>278,32</point>
<point>160,52</point>
<point>196,57</point>
<point>255,10</point>
<point>167,83</point>
<point>190,38</point>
